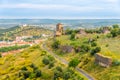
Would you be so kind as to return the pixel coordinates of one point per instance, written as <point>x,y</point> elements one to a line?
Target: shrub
<point>72,37</point>
<point>85,48</point>
<point>107,45</point>
<point>74,62</point>
<point>115,26</point>
<point>57,75</point>
<point>68,31</point>
<point>51,65</point>
<point>33,66</point>
<point>58,68</point>
<point>93,44</point>
<point>116,62</point>
<point>95,50</point>
<point>45,61</point>
<point>24,68</point>
<point>114,33</point>
<point>66,75</point>
<point>51,58</point>
<point>38,73</point>
<point>56,44</point>
<point>26,74</point>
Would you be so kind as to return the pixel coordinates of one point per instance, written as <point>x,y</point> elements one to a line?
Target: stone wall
<point>67,49</point>
<point>103,60</point>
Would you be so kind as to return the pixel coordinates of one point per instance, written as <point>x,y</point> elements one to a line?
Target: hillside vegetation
<point>35,64</point>
<point>86,46</point>
<point>11,33</point>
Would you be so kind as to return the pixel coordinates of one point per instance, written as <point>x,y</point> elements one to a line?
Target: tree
<point>57,74</point>
<point>56,44</point>
<point>95,50</point>
<point>74,62</point>
<point>85,48</point>
<point>115,26</point>
<point>58,68</point>
<point>24,68</point>
<point>66,75</point>
<point>93,44</point>
<point>114,32</point>
<point>38,73</point>
<point>45,61</point>
<point>26,74</point>
<point>51,65</point>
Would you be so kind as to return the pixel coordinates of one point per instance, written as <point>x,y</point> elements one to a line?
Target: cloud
<point>61,8</point>
<point>51,6</point>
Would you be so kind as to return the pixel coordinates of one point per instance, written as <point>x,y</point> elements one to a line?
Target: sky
<point>60,9</point>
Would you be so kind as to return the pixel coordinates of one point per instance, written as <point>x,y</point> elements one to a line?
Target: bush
<point>85,48</point>
<point>95,50</point>
<point>93,44</point>
<point>51,65</point>
<point>107,45</point>
<point>66,75</point>
<point>116,62</point>
<point>115,26</point>
<point>24,68</point>
<point>38,73</point>
<point>51,58</point>
<point>114,33</point>
<point>26,74</point>
<point>57,75</point>
<point>56,44</point>
<point>72,37</point>
<point>45,61</point>
<point>58,68</point>
<point>73,63</point>
<point>68,31</point>
<point>33,66</point>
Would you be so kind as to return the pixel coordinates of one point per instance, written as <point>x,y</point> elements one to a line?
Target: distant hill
<point>11,33</point>
<point>8,29</point>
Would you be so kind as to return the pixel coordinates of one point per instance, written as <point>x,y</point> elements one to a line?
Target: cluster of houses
<point>20,41</point>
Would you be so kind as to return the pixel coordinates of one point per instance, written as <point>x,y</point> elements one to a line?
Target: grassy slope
<point>11,64</point>
<point>87,61</point>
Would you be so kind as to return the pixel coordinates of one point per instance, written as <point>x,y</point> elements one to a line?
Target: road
<point>66,62</point>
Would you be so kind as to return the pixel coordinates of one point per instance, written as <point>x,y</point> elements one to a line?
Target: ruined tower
<point>59,29</point>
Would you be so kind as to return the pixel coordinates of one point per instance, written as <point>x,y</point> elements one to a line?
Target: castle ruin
<point>103,60</point>
<point>59,29</point>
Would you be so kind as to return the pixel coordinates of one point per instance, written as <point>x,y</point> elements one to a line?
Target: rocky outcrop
<point>103,60</point>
